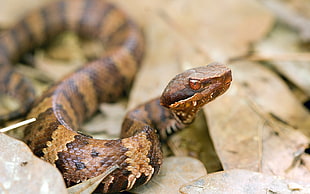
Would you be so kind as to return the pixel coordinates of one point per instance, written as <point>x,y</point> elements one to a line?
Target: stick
<point>16,125</point>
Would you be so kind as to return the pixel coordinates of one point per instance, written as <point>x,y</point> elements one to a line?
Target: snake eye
<point>195,84</point>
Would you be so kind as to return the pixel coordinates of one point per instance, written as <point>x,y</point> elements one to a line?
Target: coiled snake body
<point>66,104</point>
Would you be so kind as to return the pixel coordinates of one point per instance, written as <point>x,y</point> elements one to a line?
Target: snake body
<point>66,104</point>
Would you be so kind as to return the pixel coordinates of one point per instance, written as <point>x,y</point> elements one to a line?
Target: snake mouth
<point>186,109</point>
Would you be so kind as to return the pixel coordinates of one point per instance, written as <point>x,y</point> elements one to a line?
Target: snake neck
<point>164,120</point>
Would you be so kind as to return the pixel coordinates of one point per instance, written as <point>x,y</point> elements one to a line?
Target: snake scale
<point>66,104</point>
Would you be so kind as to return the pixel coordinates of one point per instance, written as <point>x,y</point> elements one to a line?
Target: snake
<point>66,104</point>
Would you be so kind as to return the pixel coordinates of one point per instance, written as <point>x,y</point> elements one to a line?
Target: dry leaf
<point>269,92</point>
<point>283,42</point>
<point>90,185</point>
<point>183,34</point>
<point>195,141</point>
<point>294,13</point>
<point>22,172</point>
<point>219,33</point>
<point>174,172</point>
<point>243,182</point>
<point>245,133</point>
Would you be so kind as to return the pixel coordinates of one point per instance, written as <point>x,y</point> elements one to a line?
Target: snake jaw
<point>186,109</point>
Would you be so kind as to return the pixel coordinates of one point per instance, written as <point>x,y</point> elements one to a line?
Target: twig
<point>16,125</point>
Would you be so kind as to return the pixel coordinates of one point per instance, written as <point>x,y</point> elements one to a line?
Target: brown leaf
<point>22,172</point>
<point>181,34</point>
<point>266,90</point>
<point>285,54</point>
<point>208,31</point>
<point>90,185</point>
<point>294,13</point>
<point>195,141</point>
<point>243,182</point>
<point>174,172</point>
<point>249,124</point>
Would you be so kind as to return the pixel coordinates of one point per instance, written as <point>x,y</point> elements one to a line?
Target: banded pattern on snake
<point>67,103</point>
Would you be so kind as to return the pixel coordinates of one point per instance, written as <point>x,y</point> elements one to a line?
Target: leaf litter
<point>259,125</point>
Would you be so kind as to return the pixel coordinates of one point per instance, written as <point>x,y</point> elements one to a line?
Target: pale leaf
<point>243,182</point>
<point>22,172</point>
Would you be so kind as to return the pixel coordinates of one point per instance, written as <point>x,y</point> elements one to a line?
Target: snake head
<point>187,92</point>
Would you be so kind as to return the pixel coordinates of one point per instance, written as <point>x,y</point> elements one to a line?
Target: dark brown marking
<point>94,153</point>
<point>80,165</point>
<point>109,144</point>
<point>23,163</point>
